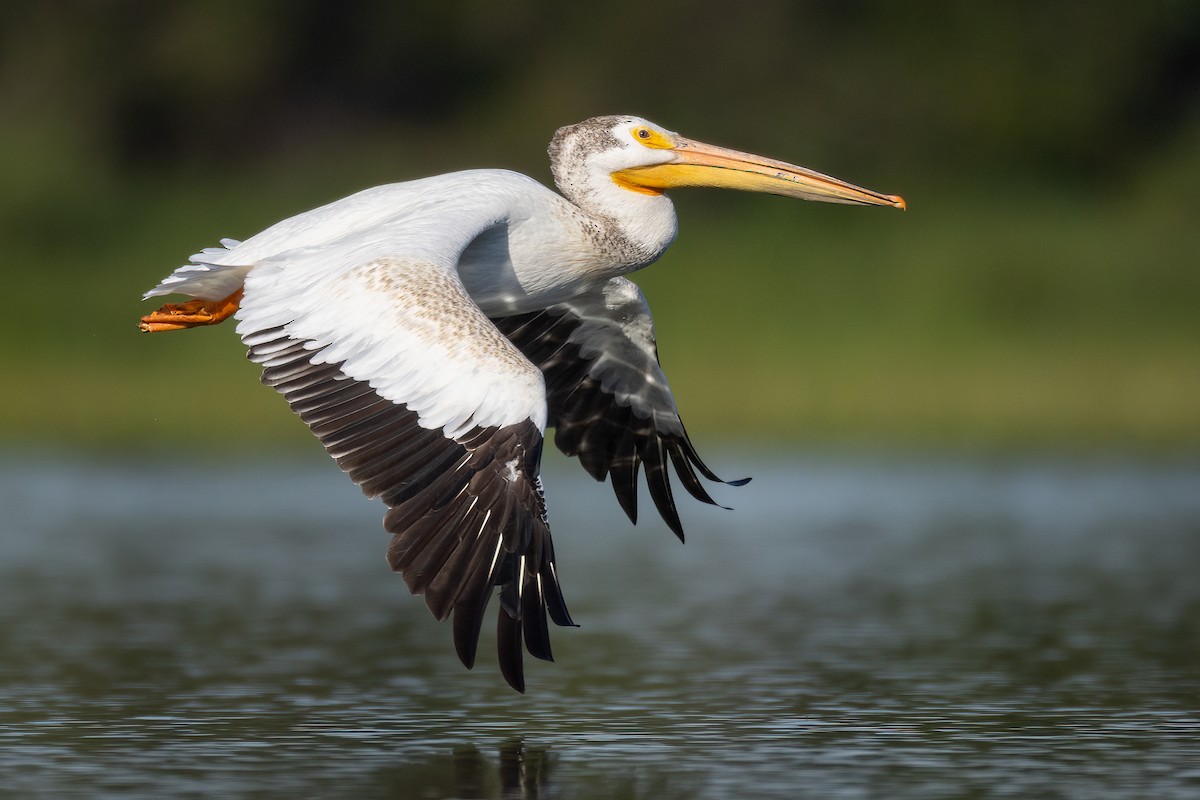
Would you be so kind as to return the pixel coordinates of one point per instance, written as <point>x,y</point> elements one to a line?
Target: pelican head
<point>645,158</point>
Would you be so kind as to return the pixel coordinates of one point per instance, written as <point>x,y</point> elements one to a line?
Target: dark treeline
<point>1078,88</point>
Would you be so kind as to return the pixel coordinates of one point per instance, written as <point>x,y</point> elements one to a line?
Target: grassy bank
<point>986,316</point>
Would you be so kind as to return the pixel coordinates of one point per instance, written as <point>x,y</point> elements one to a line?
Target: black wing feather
<point>609,437</point>
<point>466,514</point>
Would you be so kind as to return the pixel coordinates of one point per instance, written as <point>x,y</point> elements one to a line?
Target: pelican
<point>429,332</point>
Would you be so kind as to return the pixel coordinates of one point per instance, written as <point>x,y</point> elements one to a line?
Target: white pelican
<point>429,332</point>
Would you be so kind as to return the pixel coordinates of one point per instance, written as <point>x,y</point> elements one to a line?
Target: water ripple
<point>901,629</point>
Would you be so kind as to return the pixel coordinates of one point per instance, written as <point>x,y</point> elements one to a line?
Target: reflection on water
<point>856,628</point>
<point>511,770</point>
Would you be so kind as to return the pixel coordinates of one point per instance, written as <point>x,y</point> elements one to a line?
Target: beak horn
<point>700,164</point>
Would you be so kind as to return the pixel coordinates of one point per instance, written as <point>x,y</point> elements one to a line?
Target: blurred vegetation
<point>1041,292</point>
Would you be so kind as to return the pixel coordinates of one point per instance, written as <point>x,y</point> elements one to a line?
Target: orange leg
<point>177,316</point>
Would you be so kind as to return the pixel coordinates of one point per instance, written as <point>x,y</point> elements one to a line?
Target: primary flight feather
<point>429,332</point>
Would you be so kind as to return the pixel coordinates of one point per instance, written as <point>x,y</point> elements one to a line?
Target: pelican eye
<point>652,138</point>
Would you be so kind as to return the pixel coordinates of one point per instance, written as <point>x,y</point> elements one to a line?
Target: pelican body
<point>429,332</point>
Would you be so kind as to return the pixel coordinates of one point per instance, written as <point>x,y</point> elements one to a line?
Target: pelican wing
<point>608,397</point>
<point>427,406</point>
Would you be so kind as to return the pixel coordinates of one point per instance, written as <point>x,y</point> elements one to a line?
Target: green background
<point>1040,293</point>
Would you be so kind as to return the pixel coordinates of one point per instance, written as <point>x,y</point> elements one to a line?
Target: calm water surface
<point>858,627</point>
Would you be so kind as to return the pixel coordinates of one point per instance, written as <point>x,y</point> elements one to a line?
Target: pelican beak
<point>699,164</point>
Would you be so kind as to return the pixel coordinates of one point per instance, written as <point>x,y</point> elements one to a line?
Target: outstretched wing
<point>428,407</point>
<point>608,397</point>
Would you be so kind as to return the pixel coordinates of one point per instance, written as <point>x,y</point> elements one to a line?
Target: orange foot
<point>177,316</point>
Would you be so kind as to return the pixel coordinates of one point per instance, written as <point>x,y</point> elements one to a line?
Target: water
<point>858,627</point>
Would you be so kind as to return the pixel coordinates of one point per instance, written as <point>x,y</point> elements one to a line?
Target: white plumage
<point>429,332</point>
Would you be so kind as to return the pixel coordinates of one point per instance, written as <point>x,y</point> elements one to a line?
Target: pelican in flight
<point>429,332</point>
